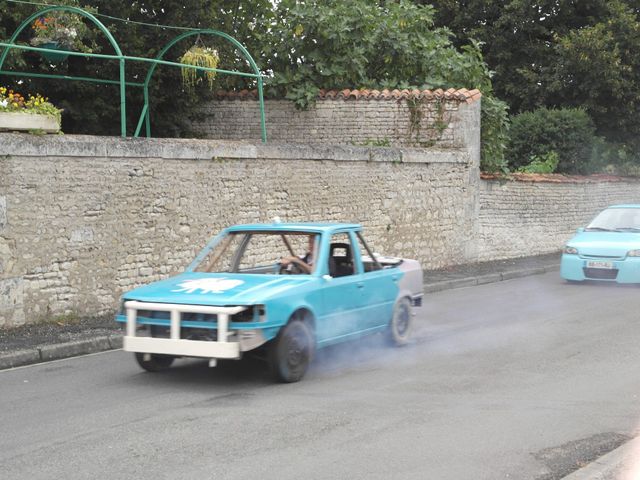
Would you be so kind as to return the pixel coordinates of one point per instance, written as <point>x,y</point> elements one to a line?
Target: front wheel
<point>155,363</point>
<point>401,323</point>
<point>291,352</point>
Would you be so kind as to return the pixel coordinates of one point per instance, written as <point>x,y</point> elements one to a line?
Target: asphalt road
<point>524,379</point>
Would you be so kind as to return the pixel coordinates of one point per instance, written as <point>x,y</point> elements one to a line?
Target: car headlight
<point>633,253</point>
<point>251,314</point>
<point>570,250</point>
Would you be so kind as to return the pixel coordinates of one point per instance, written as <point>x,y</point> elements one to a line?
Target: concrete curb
<point>488,278</point>
<point>58,351</point>
<point>623,463</point>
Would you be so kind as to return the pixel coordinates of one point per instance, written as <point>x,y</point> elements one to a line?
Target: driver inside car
<point>303,264</point>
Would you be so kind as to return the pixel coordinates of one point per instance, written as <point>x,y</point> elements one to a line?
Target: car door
<point>379,289</point>
<point>340,317</point>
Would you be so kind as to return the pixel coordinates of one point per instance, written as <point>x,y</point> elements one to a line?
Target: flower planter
<point>25,122</point>
<point>54,57</point>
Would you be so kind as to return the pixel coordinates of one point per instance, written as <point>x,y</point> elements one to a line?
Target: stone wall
<point>83,219</point>
<point>349,118</point>
<point>520,218</point>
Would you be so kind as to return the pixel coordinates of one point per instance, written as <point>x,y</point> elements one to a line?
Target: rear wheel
<point>401,322</point>
<point>154,362</point>
<point>291,352</point>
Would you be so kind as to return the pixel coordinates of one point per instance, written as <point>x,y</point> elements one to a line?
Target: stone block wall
<point>520,218</point>
<point>83,219</point>
<point>347,118</point>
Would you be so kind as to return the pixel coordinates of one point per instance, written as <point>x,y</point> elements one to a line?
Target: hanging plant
<point>61,31</point>
<point>199,57</point>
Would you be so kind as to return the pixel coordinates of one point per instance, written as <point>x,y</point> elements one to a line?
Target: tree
<point>518,39</point>
<point>560,54</point>
<point>359,43</point>
<point>599,70</point>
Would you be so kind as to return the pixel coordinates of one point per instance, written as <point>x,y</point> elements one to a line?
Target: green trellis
<point>122,59</point>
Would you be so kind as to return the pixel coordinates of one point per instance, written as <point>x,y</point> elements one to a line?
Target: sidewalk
<point>623,463</point>
<point>51,341</point>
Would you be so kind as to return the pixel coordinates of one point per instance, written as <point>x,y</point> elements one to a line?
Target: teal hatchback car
<point>287,288</point>
<point>607,249</point>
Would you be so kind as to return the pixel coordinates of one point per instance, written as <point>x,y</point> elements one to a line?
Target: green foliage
<point>199,57</point>
<point>303,46</point>
<point>599,70</point>
<point>568,132</point>
<point>374,142</point>
<point>95,109</point>
<point>546,163</point>
<point>66,29</point>
<point>518,38</point>
<point>614,158</point>
<point>559,54</point>
<point>495,135</point>
<point>336,44</point>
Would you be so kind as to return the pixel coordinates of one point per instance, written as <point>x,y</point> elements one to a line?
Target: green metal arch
<point>103,29</point>
<point>144,116</point>
<point>145,112</point>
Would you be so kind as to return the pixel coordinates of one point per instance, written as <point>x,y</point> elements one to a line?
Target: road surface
<point>524,379</point>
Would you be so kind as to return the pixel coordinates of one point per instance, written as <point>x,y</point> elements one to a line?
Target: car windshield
<point>616,220</point>
<point>260,252</point>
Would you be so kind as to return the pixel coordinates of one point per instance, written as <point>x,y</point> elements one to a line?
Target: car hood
<point>611,244</point>
<point>217,288</point>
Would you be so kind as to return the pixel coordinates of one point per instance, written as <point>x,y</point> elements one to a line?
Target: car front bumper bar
<point>174,345</point>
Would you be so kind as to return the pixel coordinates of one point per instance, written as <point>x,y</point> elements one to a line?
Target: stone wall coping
<point>557,178</point>
<point>25,145</point>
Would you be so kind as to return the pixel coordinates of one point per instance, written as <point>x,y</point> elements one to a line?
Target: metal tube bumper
<point>174,345</point>
<point>186,348</point>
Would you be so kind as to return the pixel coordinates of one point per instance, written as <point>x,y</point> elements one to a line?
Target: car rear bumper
<point>576,268</point>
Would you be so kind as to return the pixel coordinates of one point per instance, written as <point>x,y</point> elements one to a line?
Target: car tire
<point>291,352</point>
<point>400,326</point>
<point>156,363</point>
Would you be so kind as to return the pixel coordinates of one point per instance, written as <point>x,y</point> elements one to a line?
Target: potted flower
<point>61,31</point>
<point>199,56</point>
<point>33,113</point>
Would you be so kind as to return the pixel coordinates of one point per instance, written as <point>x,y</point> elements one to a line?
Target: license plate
<point>605,265</point>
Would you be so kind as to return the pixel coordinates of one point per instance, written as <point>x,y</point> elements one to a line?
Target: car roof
<point>295,227</point>
<point>628,205</point>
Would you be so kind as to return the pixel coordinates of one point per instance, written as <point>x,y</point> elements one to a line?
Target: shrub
<point>495,134</point>
<point>546,163</point>
<point>569,132</point>
<point>614,158</point>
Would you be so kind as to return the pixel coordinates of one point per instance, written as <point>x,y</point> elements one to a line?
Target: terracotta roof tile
<point>554,178</point>
<point>460,95</point>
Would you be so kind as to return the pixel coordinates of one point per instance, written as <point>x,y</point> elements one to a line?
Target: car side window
<point>341,262</point>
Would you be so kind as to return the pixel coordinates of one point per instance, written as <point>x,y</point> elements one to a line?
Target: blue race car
<point>290,288</point>
<point>607,249</point>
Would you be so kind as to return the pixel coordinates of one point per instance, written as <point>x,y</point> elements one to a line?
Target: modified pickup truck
<point>288,288</point>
